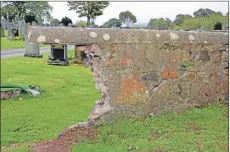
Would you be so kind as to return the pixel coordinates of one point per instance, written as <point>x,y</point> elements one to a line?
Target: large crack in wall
<point>145,73</point>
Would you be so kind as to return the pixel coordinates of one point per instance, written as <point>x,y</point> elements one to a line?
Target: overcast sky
<point>144,11</point>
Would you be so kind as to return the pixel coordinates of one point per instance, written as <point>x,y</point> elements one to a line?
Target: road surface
<point>21,52</point>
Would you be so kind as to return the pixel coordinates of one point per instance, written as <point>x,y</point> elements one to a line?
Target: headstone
<point>32,49</point>
<point>22,29</point>
<point>16,26</point>
<point>2,32</point>
<point>3,22</point>
<point>69,24</point>
<point>6,24</point>
<point>15,32</point>
<point>9,28</point>
<point>58,55</point>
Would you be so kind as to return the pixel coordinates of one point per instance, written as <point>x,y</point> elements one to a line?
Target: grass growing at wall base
<point>195,130</point>
<point>68,98</point>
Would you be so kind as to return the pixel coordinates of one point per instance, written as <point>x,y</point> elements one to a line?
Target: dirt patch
<point>65,142</point>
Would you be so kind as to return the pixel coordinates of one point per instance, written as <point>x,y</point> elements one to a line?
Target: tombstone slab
<point>2,32</point>
<point>32,49</point>
<point>58,55</point>
<point>9,28</point>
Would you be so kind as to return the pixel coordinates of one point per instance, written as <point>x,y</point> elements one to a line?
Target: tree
<point>19,9</point>
<point>88,9</point>
<point>204,23</point>
<point>203,12</point>
<point>159,23</point>
<point>180,18</point>
<point>127,18</point>
<point>150,24</point>
<point>113,22</point>
<point>218,26</point>
<point>14,9</point>
<point>41,10</point>
<point>54,22</point>
<point>168,22</point>
<point>65,21</point>
<point>81,23</point>
<point>218,13</point>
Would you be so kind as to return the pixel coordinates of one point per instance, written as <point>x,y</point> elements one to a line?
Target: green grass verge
<point>13,44</point>
<point>194,130</point>
<point>69,97</point>
<point>18,148</point>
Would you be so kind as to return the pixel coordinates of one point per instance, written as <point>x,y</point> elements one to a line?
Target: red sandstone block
<point>124,60</point>
<point>80,48</point>
<point>170,73</point>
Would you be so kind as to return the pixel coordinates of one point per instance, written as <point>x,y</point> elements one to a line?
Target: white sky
<point>144,11</point>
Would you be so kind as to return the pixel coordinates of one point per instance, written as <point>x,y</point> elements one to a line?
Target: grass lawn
<point>194,130</point>
<point>69,97</point>
<point>14,44</point>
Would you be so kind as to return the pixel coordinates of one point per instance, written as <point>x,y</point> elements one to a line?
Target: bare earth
<point>65,142</point>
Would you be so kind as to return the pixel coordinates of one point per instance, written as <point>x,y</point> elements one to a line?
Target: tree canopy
<point>88,9</point>
<point>203,23</point>
<point>65,21</point>
<point>159,23</point>
<point>180,18</point>
<point>203,12</point>
<point>19,9</point>
<point>113,22</point>
<point>54,22</point>
<point>127,18</point>
<point>81,23</point>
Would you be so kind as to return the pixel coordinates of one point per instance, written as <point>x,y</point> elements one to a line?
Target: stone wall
<point>147,72</point>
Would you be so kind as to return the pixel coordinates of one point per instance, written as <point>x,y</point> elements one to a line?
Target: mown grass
<point>13,44</point>
<point>194,130</point>
<point>69,96</point>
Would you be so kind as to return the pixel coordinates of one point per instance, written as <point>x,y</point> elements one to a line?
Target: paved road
<point>21,52</point>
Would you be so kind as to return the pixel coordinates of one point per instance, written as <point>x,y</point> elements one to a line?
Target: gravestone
<point>58,55</point>
<point>2,32</point>
<point>22,26</point>
<point>16,26</point>
<point>9,28</point>
<point>6,24</point>
<point>15,32</point>
<point>61,24</point>
<point>3,23</point>
<point>32,49</point>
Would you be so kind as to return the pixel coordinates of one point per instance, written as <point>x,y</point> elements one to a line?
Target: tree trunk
<point>88,21</point>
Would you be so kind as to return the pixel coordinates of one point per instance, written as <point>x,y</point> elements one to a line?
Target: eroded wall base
<point>148,72</point>
<point>148,80</point>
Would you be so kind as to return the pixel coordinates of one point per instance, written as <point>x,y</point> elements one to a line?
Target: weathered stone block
<point>132,92</point>
<point>170,73</point>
